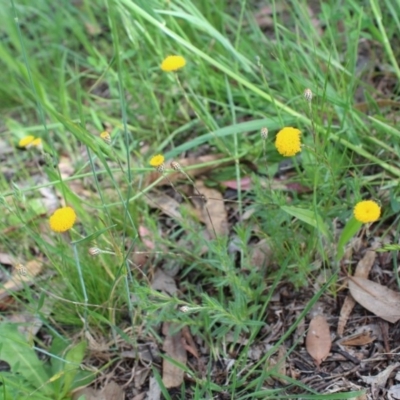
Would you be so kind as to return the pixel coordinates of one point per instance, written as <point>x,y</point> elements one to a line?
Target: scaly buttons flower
<point>288,142</point>
<point>26,141</point>
<point>63,219</point>
<point>173,63</point>
<point>367,211</point>
<point>157,161</point>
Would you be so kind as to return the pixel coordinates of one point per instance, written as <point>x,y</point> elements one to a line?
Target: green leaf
<point>351,228</point>
<point>74,358</point>
<point>93,236</point>
<point>16,351</point>
<point>309,217</point>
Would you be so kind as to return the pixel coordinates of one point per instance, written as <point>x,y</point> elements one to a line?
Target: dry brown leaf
<point>164,203</point>
<point>147,238</point>
<point>213,211</point>
<point>261,254</point>
<point>380,300</point>
<point>184,163</point>
<point>164,282</point>
<point>190,345</point>
<point>21,276</point>
<point>362,270</point>
<point>345,312</point>
<point>365,265</point>
<point>318,339</point>
<point>140,396</point>
<point>175,349</point>
<point>359,339</point>
<point>6,259</point>
<point>111,391</point>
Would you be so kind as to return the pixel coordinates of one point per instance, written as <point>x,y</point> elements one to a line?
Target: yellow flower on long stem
<point>26,141</point>
<point>157,161</point>
<point>173,63</point>
<point>288,141</point>
<point>62,219</point>
<point>367,211</point>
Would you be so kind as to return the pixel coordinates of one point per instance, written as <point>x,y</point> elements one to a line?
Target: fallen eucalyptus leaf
<point>381,301</point>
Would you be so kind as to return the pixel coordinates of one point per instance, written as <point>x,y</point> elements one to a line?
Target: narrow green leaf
<point>351,228</point>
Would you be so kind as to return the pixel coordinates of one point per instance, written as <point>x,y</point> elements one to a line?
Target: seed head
<point>94,251</point>
<point>175,166</point>
<point>20,268</point>
<point>264,133</point>
<point>308,95</point>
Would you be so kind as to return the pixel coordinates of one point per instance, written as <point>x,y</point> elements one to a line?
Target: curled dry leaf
<point>359,339</point>
<point>318,340</point>
<point>380,300</point>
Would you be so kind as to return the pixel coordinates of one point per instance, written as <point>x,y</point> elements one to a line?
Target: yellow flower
<point>37,143</point>
<point>288,142</point>
<point>26,141</point>
<point>106,137</point>
<point>157,161</point>
<point>367,211</point>
<point>173,63</point>
<point>63,219</point>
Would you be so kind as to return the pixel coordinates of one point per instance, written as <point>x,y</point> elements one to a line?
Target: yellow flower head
<point>63,219</point>
<point>288,142</point>
<point>157,161</point>
<point>367,211</point>
<point>105,136</point>
<point>173,63</point>
<point>36,142</point>
<point>26,141</point>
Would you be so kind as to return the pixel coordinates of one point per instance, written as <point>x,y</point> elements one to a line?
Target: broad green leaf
<point>309,217</point>
<point>15,349</point>
<point>73,359</point>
